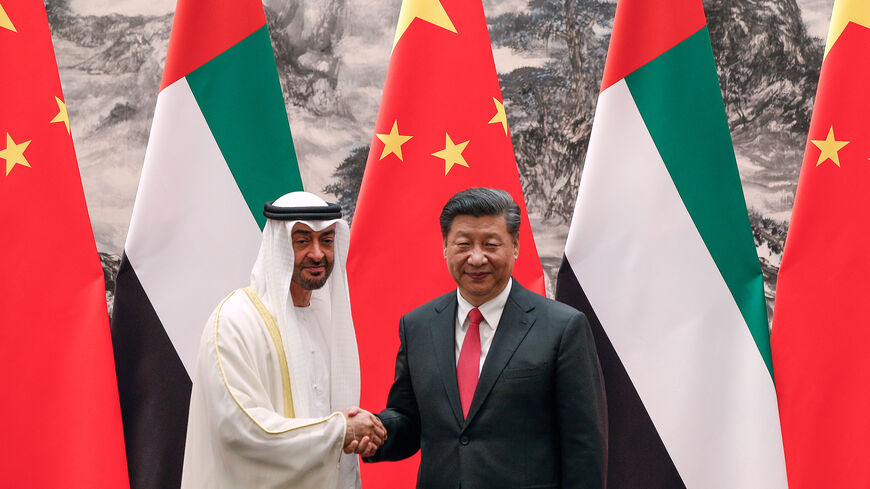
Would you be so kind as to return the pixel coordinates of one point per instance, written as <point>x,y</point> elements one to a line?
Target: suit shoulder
<point>554,310</point>
<point>562,308</point>
<point>429,309</point>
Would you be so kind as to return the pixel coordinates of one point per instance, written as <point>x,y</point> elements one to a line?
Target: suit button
<point>463,440</point>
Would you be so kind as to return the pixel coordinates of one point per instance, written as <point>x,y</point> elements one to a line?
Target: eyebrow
<point>308,233</point>
<point>460,234</point>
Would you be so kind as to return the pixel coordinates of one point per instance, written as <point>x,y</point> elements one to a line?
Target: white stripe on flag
<point>192,238</point>
<point>668,312</point>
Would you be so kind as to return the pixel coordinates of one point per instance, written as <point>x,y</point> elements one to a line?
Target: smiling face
<point>480,255</point>
<point>314,253</point>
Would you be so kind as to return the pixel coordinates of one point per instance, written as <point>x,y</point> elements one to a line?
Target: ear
<point>444,247</point>
<point>516,247</point>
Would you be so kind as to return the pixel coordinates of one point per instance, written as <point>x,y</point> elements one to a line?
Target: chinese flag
<point>441,129</point>
<point>821,328</point>
<point>60,420</point>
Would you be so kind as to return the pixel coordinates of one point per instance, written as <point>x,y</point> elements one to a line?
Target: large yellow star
<point>5,22</point>
<point>429,10</point>
<point>14,154</point>
<point>62,115</point>
<point>500,115</point>
<point>393,142</point>
<point>452,154</point>
<point>845,11</point>
<point>829,146</point>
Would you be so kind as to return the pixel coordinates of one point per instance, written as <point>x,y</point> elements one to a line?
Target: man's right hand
<point>365,433</point>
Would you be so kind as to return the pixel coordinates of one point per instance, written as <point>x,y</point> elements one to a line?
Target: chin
<point>479,291</point>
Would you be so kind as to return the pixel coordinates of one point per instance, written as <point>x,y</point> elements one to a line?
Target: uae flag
<point>219,148</point>
<point>820,337</point>
<point>61,423</point>
<point>441,129</point>
<point>661,258</point>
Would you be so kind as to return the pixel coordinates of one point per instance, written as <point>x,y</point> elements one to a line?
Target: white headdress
<point>271,279</point>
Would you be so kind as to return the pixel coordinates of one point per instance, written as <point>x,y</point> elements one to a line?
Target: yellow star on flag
<point>500,115</point>
<point>393,142</point>
<point>5,22</point>
<point>62,115</point>
<point>452,154</point>
<point>845,11</point>
<point>829,147</point>
<point>14,153</point>
<point>429,10</point>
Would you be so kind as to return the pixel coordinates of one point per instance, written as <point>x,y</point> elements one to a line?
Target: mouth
<point>477,276</point>
<point>315,270</point>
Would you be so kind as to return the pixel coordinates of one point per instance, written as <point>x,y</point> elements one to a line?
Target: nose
<point>316,252</point>
<point>477,257</point>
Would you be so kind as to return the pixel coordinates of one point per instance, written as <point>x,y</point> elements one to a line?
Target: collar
<point>491,309</point>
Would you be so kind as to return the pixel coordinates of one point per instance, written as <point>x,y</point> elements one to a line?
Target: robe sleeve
<point>246,424</point>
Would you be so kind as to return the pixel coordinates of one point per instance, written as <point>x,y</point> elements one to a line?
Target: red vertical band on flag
<point>441,128</point>
<point>643,30</point>
<point>61,418</point>
<point>202,29</point>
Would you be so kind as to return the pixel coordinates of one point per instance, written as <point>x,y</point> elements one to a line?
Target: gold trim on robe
<point>282,360</point>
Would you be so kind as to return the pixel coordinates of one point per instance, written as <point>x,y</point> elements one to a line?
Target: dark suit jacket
<point>538,416</point>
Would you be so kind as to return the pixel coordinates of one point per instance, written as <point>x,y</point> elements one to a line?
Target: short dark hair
<point>480,202</point>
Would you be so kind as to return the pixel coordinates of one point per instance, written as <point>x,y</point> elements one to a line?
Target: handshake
<point>365,433</point>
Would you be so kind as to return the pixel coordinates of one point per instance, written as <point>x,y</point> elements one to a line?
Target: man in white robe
<point>277,377</point>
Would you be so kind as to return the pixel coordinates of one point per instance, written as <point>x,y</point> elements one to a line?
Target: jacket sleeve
<point>582,408</point>
<point>401,418</point>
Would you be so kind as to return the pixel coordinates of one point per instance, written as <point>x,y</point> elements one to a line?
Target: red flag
<point>441,129</point>
<point>61,422</point>
<point>820,336</point>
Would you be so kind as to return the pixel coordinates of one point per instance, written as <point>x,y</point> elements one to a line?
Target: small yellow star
<point>429,10</point>
<point>829,148</point>
<point>5,22</point>
<point>62,115</point>
<point>14,153</point>
<point>500,115</point>
<point>452,154</point>
<point>845,11</point>
<point>393,142</point>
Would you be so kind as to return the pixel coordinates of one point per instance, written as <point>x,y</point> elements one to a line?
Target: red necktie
<point>468,368</point>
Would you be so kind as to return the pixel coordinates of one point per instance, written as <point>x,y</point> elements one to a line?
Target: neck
<point>301,297</point>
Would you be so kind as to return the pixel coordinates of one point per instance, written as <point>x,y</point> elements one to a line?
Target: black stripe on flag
<point>637,458</point>
<point>153,386</point>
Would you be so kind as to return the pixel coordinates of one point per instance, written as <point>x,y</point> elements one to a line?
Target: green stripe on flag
<point>240,97</point>
<point>679,98</point>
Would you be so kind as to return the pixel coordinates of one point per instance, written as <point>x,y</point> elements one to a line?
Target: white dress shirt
<point>491,311</point>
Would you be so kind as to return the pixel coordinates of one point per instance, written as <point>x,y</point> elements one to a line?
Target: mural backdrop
<point>332,58</point>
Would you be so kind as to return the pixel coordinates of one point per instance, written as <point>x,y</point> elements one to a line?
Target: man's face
<point>480,255</point>
<point>314,253</point>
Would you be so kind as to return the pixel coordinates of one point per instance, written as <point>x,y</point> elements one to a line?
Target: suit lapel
<point>515,323</point>
<point>443,329</point>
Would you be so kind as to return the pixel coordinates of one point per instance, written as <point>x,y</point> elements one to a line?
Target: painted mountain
<point>332,57</point>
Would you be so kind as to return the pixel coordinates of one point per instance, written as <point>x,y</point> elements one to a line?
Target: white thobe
<point>241,433</point>
<point>315,346</point>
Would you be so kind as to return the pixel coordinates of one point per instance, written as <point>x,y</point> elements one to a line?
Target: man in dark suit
<point>499,387</point>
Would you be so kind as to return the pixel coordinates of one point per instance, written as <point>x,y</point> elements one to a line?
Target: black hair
<point>480,202</point>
